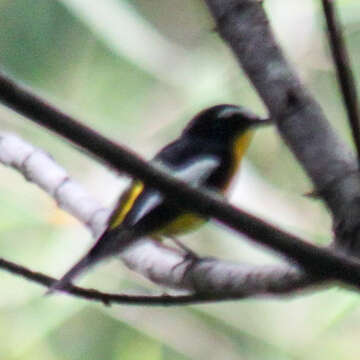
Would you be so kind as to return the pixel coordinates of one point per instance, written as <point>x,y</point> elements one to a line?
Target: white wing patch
<point>195,173</point>
<point>148,204</point>
<point>197,170</point>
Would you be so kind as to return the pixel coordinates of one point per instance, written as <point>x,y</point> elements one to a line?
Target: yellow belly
<point>182,224</point>
<point>186,222</point>
<point>240,147</point>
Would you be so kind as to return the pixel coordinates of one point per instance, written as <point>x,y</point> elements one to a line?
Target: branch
<point>244,25</point>
<point>328,162</point>
<point>108,299</point>
<point>318,261</point>
<point>343,70</point>
<point>210,279</point>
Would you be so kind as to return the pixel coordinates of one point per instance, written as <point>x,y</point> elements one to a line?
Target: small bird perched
<point>207,154</point>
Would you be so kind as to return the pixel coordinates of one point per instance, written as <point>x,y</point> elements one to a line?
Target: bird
<point>207,154</point>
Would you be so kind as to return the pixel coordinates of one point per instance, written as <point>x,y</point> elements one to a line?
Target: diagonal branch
<point>300,121</point>
<point>343,70</point>
<point>321,262</point>
<point>331,166</point>
<point>207,280</point>
<point>108,298</point>
<point>244,26</point>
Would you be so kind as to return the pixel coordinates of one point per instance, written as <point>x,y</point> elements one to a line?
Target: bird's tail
<point>110,243</point>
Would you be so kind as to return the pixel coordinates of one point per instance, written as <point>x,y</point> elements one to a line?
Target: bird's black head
<point>222,122</point>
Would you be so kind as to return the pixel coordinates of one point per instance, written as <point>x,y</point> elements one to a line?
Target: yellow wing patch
<point>125,204</point>
<point>182,224</point>
<point>187,221</point>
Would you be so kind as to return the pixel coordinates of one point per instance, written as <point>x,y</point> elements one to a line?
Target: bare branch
<point>343,70</point>
<point>108,299</point>
<point>319,261</point>
<point>244,25</point>
<point>328,162</point>
<point>210,279</point>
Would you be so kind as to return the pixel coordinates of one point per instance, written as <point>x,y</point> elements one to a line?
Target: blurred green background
<point>137,71</point>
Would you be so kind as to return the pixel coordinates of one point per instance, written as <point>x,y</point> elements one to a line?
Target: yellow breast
<point>188,221</point>
<point>240,146</point>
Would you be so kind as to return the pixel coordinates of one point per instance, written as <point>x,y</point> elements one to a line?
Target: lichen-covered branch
<point>244,26</point>
<point>320,262</point>
<point>209,280</point>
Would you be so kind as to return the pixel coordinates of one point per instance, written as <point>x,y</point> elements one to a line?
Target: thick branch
<point>321,262</point>
<point>108,299</point>
<point>328,162</point>
<point>210,280</point>
<point>244,26</point>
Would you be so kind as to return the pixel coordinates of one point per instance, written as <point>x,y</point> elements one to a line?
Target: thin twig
<point>163,265</point>
<point>108,298</point>
<point>105,298</point>
<point>321,262</point>
<point>343,70</point>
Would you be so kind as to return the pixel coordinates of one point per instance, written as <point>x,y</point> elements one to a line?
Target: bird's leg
<point>189,254</point>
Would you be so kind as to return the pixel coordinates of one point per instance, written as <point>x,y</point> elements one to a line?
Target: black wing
<point>186,161</point>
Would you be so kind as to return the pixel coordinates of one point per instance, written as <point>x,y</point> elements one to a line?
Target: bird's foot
<point>189,254</point>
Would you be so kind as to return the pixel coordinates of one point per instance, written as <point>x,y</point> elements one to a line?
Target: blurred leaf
<point>135,38</point>
<point>248,346</point>
<point>132,346</point>
<point>26,326</point>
